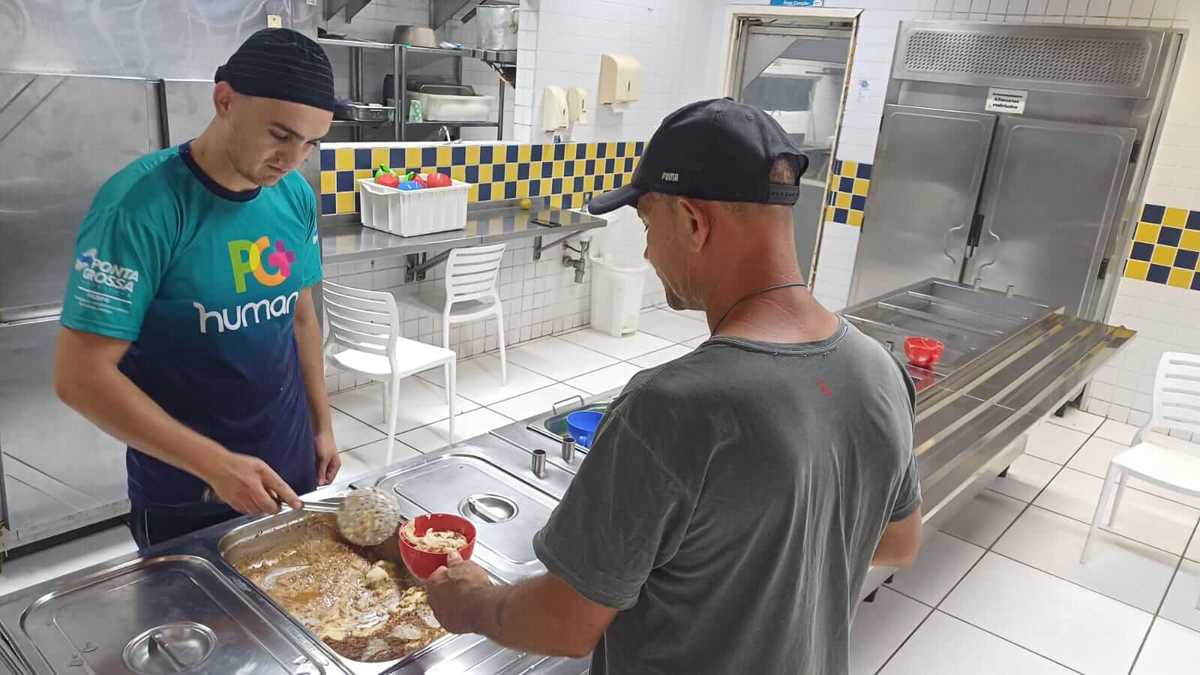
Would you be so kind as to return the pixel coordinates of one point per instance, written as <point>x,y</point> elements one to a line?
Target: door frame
<point>737,23</point>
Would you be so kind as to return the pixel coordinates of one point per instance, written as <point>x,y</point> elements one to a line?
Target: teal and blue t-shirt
<point>204,283</point>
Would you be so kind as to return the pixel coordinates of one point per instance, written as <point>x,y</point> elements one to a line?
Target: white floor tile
<point>982,520</point>
<point>1117,431</point>
<point>437,436</point>
<point>350,433</point>
<point>65,558</point>
<point>1170,649</point>
<point>1180,605</point>
<point>479,380</point>
<point>1094,456</point>
<point>624,348</point>
<point>558,359</point>
<point>943,561</point>
<point>1143,517</point>
<point>605,379</point>
<point>1055,618</point>
<point>655,359</point>
<point>421,403</point>
<point>371,457</point>
<point>1193,551</point>
<point>696,342</point>
<point>671,326</point>
<point>536,402</point>
<point>880,627</point>
<point>1078,420</point>
<point>1054,443</point>
<point>944,645</point>
<point>1119,568</point>
<point>1026,477</point>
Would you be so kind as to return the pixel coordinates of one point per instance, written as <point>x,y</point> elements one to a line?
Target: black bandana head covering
<point>281,64</point>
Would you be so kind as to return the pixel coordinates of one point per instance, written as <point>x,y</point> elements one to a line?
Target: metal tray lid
<point>168,614</point>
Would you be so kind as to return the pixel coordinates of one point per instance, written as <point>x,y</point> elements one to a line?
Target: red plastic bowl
<point>423,564</point>
<point>922,351</point>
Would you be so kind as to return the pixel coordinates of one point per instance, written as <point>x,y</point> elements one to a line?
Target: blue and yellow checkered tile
<point>846,198</point>
<point>1166,247</point>
<point>562,173</point>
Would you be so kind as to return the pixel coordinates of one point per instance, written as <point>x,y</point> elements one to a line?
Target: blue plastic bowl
<point>583,424</point>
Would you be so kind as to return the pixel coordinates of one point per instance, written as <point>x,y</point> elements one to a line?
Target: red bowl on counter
<point>923,351</point>
<point>423,563</point>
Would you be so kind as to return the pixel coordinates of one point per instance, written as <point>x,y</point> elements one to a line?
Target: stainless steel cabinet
<point>61,472</point>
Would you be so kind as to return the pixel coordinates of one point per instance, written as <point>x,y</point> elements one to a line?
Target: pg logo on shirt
<point>246,257</point>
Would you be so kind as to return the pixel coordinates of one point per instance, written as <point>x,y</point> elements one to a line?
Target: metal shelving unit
<point>400,55</point>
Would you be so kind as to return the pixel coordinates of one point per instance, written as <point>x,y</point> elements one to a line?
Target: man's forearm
<point>519,617</point>
<point>115,404</point>
<point>312,365</point>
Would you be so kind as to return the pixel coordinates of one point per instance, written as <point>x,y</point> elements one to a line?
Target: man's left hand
<point>455,592</point>
<point>328,460</point>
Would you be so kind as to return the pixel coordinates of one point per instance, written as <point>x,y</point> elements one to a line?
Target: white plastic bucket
<point>616,296</point>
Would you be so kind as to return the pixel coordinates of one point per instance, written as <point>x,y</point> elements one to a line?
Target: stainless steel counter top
<point>344,239</point>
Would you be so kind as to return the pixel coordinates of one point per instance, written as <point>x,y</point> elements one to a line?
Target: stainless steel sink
<point>554,426</point>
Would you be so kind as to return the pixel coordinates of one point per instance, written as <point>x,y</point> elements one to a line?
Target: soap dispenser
<point>554,109</point>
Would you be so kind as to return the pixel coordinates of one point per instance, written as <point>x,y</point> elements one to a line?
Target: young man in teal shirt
<point>189,329</point>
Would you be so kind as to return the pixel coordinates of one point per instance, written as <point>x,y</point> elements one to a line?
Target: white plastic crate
<point>409,213</point>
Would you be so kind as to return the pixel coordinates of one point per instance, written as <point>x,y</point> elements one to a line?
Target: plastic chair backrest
<point>1177,393</point>
<point>471,272</point>
<point>359,319</point>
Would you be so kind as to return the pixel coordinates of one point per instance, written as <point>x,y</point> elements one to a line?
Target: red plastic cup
<point>923,351</point>
<point>422,563</point>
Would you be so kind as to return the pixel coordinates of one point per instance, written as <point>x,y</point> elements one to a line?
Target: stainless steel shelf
<point>503,56</point>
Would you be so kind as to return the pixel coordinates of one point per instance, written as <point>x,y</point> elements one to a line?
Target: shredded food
<point>433,541</point>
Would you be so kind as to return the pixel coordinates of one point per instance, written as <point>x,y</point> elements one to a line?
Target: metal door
<point>1048,205</point>
<point>924,190</point>
<point>188,107</point>
<point>796,73</point>
<point>61,138</point>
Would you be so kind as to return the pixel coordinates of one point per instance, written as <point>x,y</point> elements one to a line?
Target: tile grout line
<point>1163,601</point>
<point>987,550</point>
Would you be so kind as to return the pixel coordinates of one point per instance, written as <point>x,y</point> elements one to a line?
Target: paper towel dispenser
<point>577,104</point>
<point>620,78</point>
<point>554,108</point>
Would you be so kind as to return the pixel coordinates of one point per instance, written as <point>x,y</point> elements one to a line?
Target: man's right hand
<point>249,485</point>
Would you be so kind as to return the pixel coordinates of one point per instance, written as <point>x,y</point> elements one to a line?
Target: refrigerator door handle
<point>946,242</point>
<point>982,266</point>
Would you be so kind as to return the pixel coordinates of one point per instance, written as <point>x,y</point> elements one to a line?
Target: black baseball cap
<point>282,64</point>
<point>716,149</point>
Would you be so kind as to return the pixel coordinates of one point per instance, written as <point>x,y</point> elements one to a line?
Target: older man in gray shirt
<point>735,498</point>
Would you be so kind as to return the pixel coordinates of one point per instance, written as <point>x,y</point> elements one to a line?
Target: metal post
<point>399,88</point>
<point>356,86</point>
<point>500,115</point>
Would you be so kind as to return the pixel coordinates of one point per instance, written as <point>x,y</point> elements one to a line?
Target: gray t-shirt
<point>731,504</point>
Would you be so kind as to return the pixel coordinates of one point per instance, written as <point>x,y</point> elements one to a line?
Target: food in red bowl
<point>923,351</point>
<point>426,540</point>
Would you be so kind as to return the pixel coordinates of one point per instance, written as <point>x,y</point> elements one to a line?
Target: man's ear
<point>697,222</point>
<point>223,96</point>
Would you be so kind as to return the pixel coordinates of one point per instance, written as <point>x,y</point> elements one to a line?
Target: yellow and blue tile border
<point>1166,247</point>
<point>566,175</point>
<point>846,199</point>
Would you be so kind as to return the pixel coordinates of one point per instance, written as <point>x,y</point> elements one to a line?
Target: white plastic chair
<point>1176,407</point>
<point>469,294</point>
<point>364,337</point>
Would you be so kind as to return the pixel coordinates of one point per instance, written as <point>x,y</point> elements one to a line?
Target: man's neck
<point>783,315</point>
<point>216,164</point>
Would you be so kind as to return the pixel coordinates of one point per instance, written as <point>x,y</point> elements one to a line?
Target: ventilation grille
<point>1102,62</point>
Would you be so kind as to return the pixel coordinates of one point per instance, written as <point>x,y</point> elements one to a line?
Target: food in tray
<point>411,180</point>
<point>364,607</point>
<point>433,541</point>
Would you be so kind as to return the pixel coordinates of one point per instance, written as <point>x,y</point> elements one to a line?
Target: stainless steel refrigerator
<point>1012,157</point>
<point>84,91</point>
